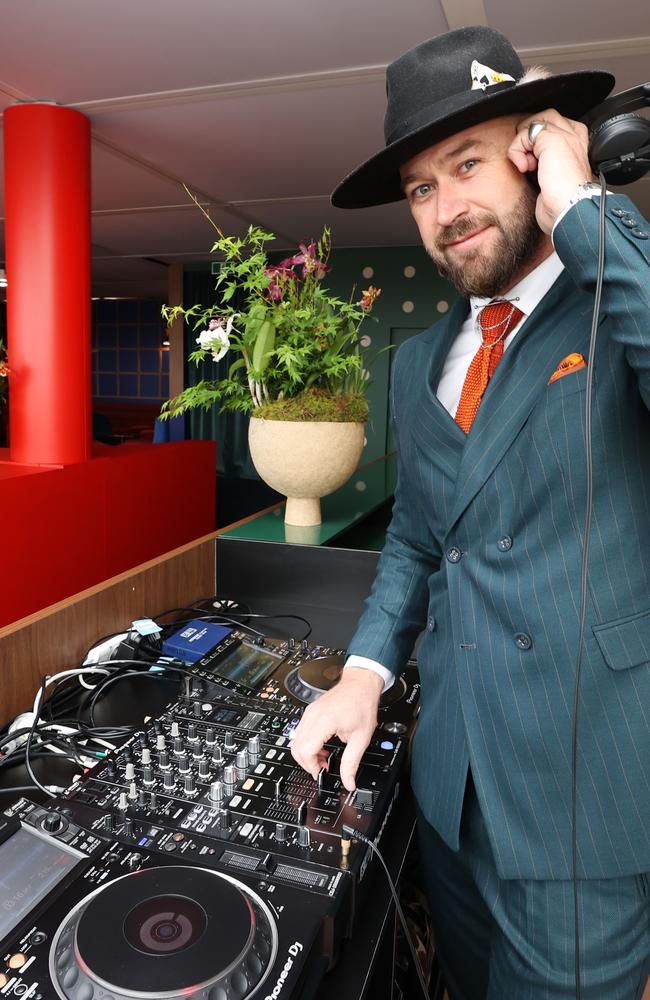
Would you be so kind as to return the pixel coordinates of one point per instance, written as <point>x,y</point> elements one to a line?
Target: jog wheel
<point>313,678</point>
<point>172,932</point>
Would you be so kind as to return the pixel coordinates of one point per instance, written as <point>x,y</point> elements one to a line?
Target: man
<point>483,553</point>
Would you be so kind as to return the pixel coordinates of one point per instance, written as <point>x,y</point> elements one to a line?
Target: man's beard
<point>490,272</point>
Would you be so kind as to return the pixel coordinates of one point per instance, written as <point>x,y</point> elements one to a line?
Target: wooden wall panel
<point>56,638</point>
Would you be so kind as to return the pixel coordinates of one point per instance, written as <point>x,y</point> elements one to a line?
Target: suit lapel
<point>554,329</point>
<point>438,436</point>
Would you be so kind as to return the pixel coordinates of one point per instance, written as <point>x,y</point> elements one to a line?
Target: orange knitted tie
<point>496,321</point>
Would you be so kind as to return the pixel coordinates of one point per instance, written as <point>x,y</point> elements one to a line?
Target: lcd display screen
<point>247,665</point>
<point>30,867</point>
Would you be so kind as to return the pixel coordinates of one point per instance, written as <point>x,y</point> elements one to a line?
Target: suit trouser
<point>513,939</point>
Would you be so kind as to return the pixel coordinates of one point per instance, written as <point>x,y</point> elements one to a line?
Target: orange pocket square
<point>572,363</point>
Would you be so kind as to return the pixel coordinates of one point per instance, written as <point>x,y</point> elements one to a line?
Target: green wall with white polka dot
<point>413,296</point>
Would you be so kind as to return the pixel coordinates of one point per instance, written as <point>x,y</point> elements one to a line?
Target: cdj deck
<point>198,860</point>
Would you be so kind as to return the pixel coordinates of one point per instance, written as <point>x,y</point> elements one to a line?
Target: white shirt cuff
<point>579,196</point>
<point>365,664</point>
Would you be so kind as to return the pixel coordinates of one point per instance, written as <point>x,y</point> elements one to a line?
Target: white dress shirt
<point>527,294</point>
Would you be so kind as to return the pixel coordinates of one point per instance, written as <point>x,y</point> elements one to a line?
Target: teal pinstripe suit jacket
<point>483,554</point>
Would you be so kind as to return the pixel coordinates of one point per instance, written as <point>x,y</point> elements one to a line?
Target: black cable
<point>584,577</point>
<point>28,745</point>
<point>351,832</point>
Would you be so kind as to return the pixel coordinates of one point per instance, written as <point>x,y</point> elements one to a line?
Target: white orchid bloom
<point>217,339</point>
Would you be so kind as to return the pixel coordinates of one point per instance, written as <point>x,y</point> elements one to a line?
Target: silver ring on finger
<point>534,129</point>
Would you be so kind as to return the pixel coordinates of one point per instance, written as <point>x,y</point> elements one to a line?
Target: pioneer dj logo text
<point>294,951</point>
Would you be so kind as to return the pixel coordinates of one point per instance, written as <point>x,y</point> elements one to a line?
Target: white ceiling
<point>259,107</point>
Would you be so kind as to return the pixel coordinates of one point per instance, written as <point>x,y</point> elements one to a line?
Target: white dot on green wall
<point>408,306</point>
<point>365,374</point>
<point>368,272</point>
<point>360,486</point>
<point>409,271</point>
<point>365,341</point>
<point>442,306</point>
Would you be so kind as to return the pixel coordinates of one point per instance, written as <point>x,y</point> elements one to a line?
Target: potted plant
<point>296,369</point>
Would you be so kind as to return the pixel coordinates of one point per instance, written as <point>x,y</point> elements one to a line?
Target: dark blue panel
<point>150,386</point>
<point>107,361</point>
<point>165,361</point>
<point>107,336</point>
<point>128,311</point>
<point>149,361</point>
<point>128,385</point>
<point>151,336</point>
<point>128,361</point>
<point>128,335</point>
<point>106,311</point>
<point>107,385</point>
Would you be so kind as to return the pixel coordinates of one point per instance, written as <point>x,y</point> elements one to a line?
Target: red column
<point>47,232</point>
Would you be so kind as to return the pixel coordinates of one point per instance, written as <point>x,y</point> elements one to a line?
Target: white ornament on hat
<point>484,77</point>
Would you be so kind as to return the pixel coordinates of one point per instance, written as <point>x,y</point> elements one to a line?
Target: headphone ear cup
<point>615,139</point>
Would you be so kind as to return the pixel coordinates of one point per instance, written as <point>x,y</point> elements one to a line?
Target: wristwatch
<point>586,190</point>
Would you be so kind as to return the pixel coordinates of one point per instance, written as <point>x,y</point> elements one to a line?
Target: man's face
<point>475,210</point>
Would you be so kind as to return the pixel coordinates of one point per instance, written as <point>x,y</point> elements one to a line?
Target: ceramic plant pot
<point>304,460</point>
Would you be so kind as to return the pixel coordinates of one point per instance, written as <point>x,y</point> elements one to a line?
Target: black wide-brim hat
<point>449,83</point>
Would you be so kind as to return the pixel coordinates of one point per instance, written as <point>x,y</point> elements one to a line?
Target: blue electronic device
<point>195,640</point>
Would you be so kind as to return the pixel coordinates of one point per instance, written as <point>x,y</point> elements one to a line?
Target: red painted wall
<point>70,527</point>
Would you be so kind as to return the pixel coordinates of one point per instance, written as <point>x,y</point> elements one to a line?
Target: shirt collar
<point>530,291</point>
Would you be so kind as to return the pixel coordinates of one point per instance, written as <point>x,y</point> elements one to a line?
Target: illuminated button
<point>246,829</point>
<point>3,980</point>
<point>264,694</point>
<point>17,960</point>
<point>248,784</point>
<point>235,801</point>
<point>387,745</point>
<point>260,768</point>
<point>270,754</point>
<point>178,837</point>
<point>281,740</point>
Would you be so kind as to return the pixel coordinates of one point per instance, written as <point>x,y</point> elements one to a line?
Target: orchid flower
<point>217,337</point>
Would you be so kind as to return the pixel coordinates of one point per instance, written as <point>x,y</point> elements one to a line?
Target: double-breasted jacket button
<point>523,641</point>
<point>431,624</point>
<point>619,212</point>
<point>454,554</point>
<point>640,234</point>
<point>629,221</point>
<point>504,544</point>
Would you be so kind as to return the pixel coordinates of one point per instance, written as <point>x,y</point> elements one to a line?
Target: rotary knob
<point>145,757</point>
<point>129,771</point>
<point>160,741</point>
<point>229,741</point>
<point>168,780</point>
<point>280,832</point>
<point>216,792</point>
<point>254,748</point>
<point>183,763</point>
<point>217,755</point>
<point>147,775</point>
<point>210,738</point>
<point>53,823</point>
<point>175,729</point>
<point>189,786</point>
<point>178,745</point>
<point>229,777</point>
<point>191,732</point>
<point>241,763</point>
<point>204,768</point>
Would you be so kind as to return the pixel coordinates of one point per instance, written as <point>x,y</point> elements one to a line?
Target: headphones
<point>619,142</point>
